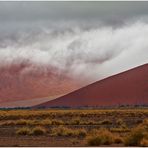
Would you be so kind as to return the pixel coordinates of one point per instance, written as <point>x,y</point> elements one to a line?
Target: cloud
<point>87,53</point>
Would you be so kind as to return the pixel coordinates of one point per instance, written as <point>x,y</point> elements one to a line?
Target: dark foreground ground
<point>117,127</point>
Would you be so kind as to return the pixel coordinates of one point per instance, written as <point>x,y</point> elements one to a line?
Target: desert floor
<point>102,127</point>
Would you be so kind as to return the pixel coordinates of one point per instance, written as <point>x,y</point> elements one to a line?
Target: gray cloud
<point>94,53</point>
<point>88,39</point>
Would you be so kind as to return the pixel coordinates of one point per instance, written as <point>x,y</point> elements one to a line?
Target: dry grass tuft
<point>64,131</point>
<point>100,137</point>
<point>136,136</point>
<point>23,131</point>
<point>38,131</point>
<point>144,142</point>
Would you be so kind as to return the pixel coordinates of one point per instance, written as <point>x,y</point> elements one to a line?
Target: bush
<point>76,121</point>
<point>46,122</point>
<point>80,132</point>
<point>118,139</point>
<point>102,137</point>
<point>136,136</point>
<point>64,131</point>
<point>106,122</point>
<point>7,123</point>
<point>120,129</point>
<point>23,131</point>
<point>38,131</point>
<point>121,123</point>
<point>57,122</point>
<point>61,131</point>
<point>25,122</point>
<point>21,122</point>
<point>144,142</point>
<point>94,141</point>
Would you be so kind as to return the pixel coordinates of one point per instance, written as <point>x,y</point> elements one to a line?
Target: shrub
<point>118,139</point>
<point>80,132</point>
<point>102,137</point>
<point>106,122</point>
<point>76,121</point>
<point>64,131</point>
<point>23,131</point>
<point>135,137</point>
<point>26,122</point>
<point>57,122</point>
<point>21,122</point>
<point>7,123</point>
<point>46,122</point>
<point>61,131</point>
<point>144,142</point>
<point>89,122</point>
<point>145,123</point>
<point>38,131</point>
<point>120,129</point>
<point>121,123</point>
<point>94,141</point>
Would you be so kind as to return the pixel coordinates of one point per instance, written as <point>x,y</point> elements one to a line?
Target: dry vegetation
<point>112,127</point>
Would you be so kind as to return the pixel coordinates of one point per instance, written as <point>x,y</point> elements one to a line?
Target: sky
<point>93,39</point>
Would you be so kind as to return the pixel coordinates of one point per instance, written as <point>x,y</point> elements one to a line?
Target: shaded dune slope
<point>126,88</point>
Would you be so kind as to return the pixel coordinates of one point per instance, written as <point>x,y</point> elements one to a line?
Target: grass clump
<point>7,123</point>
<point>80,132</point>
<point>76,121</point>
<point>118,139</point>
<point>136,136</point>
<point>106,122</point>
<point>120,130</point>
<point>61,131</point>
<point>64,131</point>
<point>144,142</point>
<point>23,131</point>
<point>57,122</point>
<point>101,137</point>
<point>38,131</point>
<point>46,122</point>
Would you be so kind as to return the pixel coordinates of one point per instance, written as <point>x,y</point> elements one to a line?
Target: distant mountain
<point>19,85</point>
<point>126,88</point>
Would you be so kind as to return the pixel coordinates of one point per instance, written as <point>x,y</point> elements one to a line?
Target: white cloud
<point>92,53</point>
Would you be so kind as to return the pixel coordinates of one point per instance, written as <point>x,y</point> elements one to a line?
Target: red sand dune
<point>127,88</point>
<point>17,86</point>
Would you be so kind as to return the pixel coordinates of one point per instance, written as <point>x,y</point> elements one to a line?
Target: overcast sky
<point>111,12</point>
<point>75,37</point>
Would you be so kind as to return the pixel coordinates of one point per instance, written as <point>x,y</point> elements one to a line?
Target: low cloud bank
<point>85,53</point>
